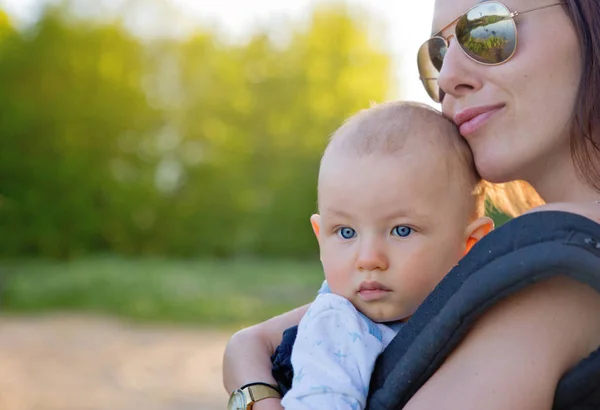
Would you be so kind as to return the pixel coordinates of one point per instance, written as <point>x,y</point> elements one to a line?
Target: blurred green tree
<point>6,27</point>
<point>71,94</point>
<point>178,147</point>
<point>254,120</point>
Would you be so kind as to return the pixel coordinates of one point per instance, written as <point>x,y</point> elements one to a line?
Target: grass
<point>215,293</point>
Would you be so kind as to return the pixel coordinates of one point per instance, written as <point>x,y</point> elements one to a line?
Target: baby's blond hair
<point>388,127</point>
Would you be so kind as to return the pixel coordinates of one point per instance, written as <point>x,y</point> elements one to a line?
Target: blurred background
<point>158,164</point>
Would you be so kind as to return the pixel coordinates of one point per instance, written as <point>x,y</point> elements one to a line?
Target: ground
<point>65,362</point>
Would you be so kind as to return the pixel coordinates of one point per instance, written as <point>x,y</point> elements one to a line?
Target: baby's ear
<point>315,221</point>
<point>477,230</point>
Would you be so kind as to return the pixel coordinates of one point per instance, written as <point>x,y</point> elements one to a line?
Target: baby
<point>400,203</point>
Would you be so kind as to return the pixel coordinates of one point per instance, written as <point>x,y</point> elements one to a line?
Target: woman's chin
<point>496,164</point>
<point>495,171</point>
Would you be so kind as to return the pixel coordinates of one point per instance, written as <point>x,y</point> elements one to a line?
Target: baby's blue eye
<point>347,233</point>
<point>402,231</point>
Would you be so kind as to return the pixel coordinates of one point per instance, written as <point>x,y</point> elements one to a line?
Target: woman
<point>530,110</point>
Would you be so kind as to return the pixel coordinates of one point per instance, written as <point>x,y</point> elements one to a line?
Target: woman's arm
<point>516,353</point>
<point>247,356</point>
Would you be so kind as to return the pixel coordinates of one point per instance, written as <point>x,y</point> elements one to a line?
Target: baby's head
<point>400,203</point>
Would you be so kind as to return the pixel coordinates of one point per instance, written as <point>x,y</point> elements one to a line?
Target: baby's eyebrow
<point>408,212</point>
<point>337,212</point>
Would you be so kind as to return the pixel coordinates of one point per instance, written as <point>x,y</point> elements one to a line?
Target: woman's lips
<point>472,119</point>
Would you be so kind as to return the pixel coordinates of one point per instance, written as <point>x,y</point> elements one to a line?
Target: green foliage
<point>70,94</point>
<point>6,28</point>
<point>172,147</point>
<point>234,293</point>
<point>489,49</point>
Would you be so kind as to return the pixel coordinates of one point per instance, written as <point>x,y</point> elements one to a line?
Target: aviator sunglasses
<point>486,33</point>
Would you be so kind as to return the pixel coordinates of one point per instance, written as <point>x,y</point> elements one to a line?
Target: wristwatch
<point>245,397</point>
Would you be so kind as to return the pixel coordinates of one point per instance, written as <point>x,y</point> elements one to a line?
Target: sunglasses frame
<point>446,40</point>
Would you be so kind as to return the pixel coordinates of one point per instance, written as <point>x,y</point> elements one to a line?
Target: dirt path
<point>81,363</point>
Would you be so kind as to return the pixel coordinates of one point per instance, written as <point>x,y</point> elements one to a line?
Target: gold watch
<point>245,397</point>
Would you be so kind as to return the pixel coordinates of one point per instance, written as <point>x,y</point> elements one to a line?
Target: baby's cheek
<point>337,277</point>
<point>421,280</point>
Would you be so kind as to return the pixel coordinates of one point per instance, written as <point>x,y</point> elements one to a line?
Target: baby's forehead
<point>419,155</point>
<point>379,185</point>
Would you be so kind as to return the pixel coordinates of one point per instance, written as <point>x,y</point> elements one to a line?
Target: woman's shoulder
<point>589,210</point>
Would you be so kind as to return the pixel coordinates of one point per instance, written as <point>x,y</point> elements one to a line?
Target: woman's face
<point>527,102</point>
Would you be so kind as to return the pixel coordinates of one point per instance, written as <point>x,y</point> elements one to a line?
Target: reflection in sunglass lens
<point>432,88</point>
<point>487,33</point>
<point>429,60</point>
<point>437,51</point>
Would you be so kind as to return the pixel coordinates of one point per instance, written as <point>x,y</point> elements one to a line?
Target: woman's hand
<point>247,356</point>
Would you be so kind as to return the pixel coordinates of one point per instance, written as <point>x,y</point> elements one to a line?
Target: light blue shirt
<point>334,355</point>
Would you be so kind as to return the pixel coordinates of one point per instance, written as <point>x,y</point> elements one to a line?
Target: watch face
<point>237,401</point>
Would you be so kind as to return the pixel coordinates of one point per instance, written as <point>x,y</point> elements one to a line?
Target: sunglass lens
<point>429,60</point>
<point>487,33</point>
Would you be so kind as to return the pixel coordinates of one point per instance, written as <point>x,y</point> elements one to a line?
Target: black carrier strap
<point>523,251</point>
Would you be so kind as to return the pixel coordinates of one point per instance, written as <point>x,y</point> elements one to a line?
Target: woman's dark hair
<point>585,134</point>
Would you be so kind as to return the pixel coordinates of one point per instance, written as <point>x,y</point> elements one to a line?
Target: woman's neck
<point>565,187</point>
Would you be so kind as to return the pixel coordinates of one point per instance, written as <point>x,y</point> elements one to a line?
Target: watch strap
<point>259,391</point>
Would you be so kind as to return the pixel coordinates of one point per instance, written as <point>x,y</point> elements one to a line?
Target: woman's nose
<point>459,74</point>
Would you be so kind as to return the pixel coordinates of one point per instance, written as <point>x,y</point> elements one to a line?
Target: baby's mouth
<point>372,290</point>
